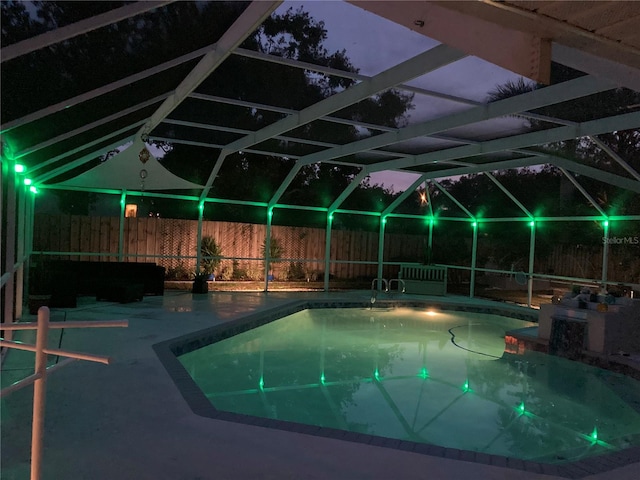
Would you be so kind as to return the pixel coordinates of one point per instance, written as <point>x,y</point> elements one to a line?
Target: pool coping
<point>169,350</point>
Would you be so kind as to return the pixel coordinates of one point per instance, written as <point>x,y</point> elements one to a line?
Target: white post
<point>532,250</point>
<point>22,216</point>
<point>474,253</point>
<point>267,250</point>
<point>327,251</point>
<point>605,254</point>
<point>39,393</point>
<point>199,235</point>
<point>10,241</point>
<point>383,221</point>
<point>123,201</point>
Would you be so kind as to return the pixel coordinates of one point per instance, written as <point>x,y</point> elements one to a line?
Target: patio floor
<point>127,420</point>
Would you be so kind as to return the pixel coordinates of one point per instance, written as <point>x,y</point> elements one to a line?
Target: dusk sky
<point>374,44</point>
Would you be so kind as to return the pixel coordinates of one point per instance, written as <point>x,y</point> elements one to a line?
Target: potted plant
<point>200,284</point>
<point>211,253</point>
<point>275,254</point>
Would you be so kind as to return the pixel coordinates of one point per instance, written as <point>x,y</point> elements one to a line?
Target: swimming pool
<point>412,375</point>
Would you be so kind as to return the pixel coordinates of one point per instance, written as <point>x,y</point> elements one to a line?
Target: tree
<point>626,144</point>
<point>245,175</point>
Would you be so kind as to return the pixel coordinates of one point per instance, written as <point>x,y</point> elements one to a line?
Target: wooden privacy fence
<point>172,243</point>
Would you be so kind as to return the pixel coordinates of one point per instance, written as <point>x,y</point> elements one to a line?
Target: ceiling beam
<point>535,99</point>
<point>425,62</point>
<point>558,30</point>
<point>468,170</point>
<point>596,173</point>
<point>521,52</point>
<point>70,31</point>
<point>82,160</point>
<point>344,74</point>
<point>595,127</point>
<point>618,73</point>
<point>70,102</point>
<point>348,190</point>
<point>89,126</point>
<point>419,65</point>
<point>582,190</point>
<point>95,141</point>
<point>250,19</point>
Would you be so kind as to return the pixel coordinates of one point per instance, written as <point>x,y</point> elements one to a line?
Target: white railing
<point>39,377</point>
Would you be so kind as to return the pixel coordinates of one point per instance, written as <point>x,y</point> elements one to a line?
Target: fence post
<point>39,392</point>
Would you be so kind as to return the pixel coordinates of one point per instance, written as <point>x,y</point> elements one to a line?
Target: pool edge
<point>168,351</point>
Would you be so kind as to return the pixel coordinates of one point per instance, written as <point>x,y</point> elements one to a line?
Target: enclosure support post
<point>532,250</point>
<point>39,392</point>
<point>10,236</point>
<point>22,218</point>
<point>474,253</point>
<point>383,221</point>
<point>267,250</point>
<point>429,258</point>
<point>199,235</point>
<point>605,254</point>
<point>29,238</point>
<point>123,201</point>
<point>327,251</point>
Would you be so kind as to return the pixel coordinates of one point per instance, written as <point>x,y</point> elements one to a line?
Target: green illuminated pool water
<point>440,377</point>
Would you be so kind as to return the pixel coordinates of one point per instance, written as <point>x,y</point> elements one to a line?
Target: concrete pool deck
<point>128,420</point>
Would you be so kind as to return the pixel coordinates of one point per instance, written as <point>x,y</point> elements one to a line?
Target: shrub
<point>211,252</point>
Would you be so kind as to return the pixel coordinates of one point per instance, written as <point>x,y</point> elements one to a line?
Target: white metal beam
<point>452,198</point>
<point>347,191</point>
<point>419,65</point>
<point>467,170</point>
<point>64,33</point>
<point>619,74</point>
<point>89,126</point>
<point>285,183</point>
<point>519,51</point>
<point>402,197</point>
<point>344,74</point>
<point>582,190</point>
<point>538,98</point>
<point>616,157</point>
<point>595,173</point>
<point>252,17</point>
<point>104,89</point>
<point>81,161</point>
<point>86,145</point>
<point>594,127</point>
<point>506,191</point>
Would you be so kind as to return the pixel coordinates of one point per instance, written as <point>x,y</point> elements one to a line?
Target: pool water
<point>436,377</point>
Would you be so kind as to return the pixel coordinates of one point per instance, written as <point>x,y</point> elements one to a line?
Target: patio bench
<point>424,279</point>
